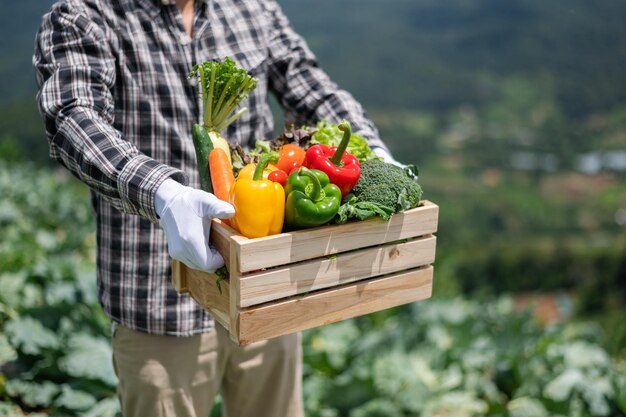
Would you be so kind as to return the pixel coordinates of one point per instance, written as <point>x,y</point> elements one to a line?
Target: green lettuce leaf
<point>329,134</point>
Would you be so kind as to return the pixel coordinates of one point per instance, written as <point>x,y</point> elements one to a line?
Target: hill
<point>407,56</point>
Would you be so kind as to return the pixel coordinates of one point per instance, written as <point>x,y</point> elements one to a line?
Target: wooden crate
<point>293,281</point>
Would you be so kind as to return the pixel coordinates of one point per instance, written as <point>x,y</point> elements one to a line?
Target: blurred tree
<point>10,151</point>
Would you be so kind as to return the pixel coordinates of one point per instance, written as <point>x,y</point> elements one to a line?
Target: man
<point>118,109</point>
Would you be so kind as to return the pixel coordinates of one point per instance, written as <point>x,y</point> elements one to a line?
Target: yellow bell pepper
<point>259,203</point>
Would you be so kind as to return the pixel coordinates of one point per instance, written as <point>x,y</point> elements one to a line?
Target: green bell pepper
<point>311,199</point>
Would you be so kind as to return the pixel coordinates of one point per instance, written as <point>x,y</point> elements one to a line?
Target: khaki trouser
<point>165,376</point>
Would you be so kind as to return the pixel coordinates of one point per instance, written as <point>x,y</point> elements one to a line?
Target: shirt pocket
<point>252,59</point>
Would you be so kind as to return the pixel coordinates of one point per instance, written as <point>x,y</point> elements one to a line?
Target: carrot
<point>222,176</point>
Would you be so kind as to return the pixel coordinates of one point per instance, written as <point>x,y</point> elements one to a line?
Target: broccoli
<point>382,189</point>
<point>387,185</point>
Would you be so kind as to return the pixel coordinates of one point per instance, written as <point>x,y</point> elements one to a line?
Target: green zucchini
<point>203,145</point>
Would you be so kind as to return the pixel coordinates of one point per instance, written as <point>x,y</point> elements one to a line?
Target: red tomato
<point>278,176</point>
<point>290,156</point>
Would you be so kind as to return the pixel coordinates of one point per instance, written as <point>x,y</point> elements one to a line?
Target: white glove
<point>382,153</point>
<point>185,216</point>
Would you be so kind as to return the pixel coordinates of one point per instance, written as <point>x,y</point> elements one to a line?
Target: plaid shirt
<point>118,111</point>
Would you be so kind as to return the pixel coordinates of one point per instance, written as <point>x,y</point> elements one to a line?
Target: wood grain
<point>329,306</point>
<point>203,288</point>
<point>299,278</point>
<point>224,238</point>
<point>285,248</point>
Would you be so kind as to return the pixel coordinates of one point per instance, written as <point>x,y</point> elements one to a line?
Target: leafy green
<point>109,407</point>
<point>377,408</point>
<point>72,399</point>
<point>221,275</point>
<point>239,157</point>
<point>329,134</point>
<point>7,352</point>
<point>352,208</point>
<point>48,297</point>
<point>88,357</point>
<point>334,342</point>
<point>460,357</point>
<point>30,335</point>
<point>455,404</point>
<point>32,393</point>
<point>223,86</point>
<point>300,136</point>
<point>526,406</point>
<point>9,410</point>
<point>260,147</point>
<point>382,189</point>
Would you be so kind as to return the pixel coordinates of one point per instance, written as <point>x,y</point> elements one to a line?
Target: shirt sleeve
<point>305,91</point>
<point>75,71</point>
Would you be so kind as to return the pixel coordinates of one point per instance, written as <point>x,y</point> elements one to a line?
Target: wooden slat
<point>285,248</point>
<point>326,272</point>
<point>179,281</point>
<point>328,306</point>
<point>203,288</point>
<point>233,312</point>
<point>223,237</point>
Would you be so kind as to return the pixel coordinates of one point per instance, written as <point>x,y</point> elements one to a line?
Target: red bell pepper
<point>343,169</point>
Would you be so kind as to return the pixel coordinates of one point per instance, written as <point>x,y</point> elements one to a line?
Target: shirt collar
<point>153,7</point>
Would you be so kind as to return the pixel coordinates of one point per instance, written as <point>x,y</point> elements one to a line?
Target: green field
<point>472,355</point>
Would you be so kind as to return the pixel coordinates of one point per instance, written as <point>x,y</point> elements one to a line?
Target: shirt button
<point>184,39</point>
<point>165,2</point>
